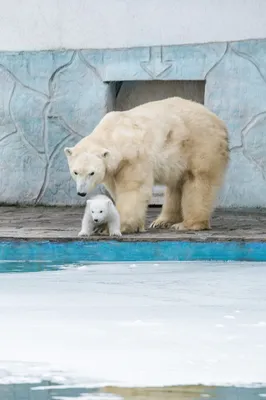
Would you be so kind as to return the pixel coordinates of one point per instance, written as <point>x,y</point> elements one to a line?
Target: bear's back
<point>155,127</point>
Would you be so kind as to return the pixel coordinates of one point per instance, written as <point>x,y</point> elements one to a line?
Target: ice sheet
<point>127,324</point>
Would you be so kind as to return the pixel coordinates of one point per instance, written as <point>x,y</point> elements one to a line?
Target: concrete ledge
<point>63,224</point>
<point>48,235</point>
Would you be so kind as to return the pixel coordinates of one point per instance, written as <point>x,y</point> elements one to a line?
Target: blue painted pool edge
<point>116,251</point>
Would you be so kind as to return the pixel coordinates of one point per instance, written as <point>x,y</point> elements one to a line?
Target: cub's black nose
<point>81,194</point>
<point>96,220</point>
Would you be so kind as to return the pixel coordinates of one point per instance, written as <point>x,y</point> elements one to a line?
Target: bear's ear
<point>109,203</point>
<point>68,151</point>
<point>105,153</point>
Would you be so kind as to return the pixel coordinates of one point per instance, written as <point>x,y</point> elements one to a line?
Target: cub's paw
<point>83,234</point>
<point>116,233</point>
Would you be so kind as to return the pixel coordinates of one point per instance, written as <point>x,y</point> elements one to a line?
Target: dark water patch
<point>48,391</point>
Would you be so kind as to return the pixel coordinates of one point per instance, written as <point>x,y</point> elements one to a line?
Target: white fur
<point>172,142</point>
<point>100,210</point>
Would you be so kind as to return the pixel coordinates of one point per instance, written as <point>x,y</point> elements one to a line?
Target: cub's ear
<point>68,151</point>
<point>105,153</point>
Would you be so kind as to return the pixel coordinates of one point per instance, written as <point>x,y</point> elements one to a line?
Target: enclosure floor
<point>63,223</point>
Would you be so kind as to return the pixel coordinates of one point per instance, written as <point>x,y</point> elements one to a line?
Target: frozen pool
<point>134,325</point>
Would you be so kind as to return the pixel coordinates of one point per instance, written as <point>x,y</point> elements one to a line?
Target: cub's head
<point>87,169</point>
<point>99,210</point>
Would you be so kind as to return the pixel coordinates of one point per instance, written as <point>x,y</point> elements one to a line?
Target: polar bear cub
<point>100,210</point>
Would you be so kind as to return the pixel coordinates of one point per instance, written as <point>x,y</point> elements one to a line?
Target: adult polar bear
<point>173,142</point>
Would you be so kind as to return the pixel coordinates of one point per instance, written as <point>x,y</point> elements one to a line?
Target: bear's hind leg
<point>198,195</point>
<point>171,210</point>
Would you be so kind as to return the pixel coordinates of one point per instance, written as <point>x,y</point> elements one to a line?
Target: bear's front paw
<point>116,233</point>
<point>197,226</point>
<point>129,229</point>
<point>83,234</point>
<point>179,227</point>
<point>161,223</point>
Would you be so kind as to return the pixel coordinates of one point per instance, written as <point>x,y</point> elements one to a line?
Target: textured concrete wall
<point>49,100</point>
<point>101,24</point>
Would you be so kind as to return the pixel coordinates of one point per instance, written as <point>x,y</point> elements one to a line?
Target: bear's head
<point>99,210</point>
<point>87,169</point>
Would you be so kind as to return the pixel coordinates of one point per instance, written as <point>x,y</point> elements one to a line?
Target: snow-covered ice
<point>151,325</point>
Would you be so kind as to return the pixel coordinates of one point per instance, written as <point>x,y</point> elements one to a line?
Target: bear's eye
<point>75,173</point>
<point>92,173</point>
<point>92,212</point>
<point>100,211</point>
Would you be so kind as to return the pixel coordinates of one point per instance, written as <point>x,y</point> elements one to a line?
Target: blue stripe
<point>114,251</point>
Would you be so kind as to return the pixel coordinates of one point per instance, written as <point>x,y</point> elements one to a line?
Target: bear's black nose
<point>96,220</point>
<point>81,194</point>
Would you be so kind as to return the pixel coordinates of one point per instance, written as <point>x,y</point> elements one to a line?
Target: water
<point>48,392</point>
<point>96,328</point>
